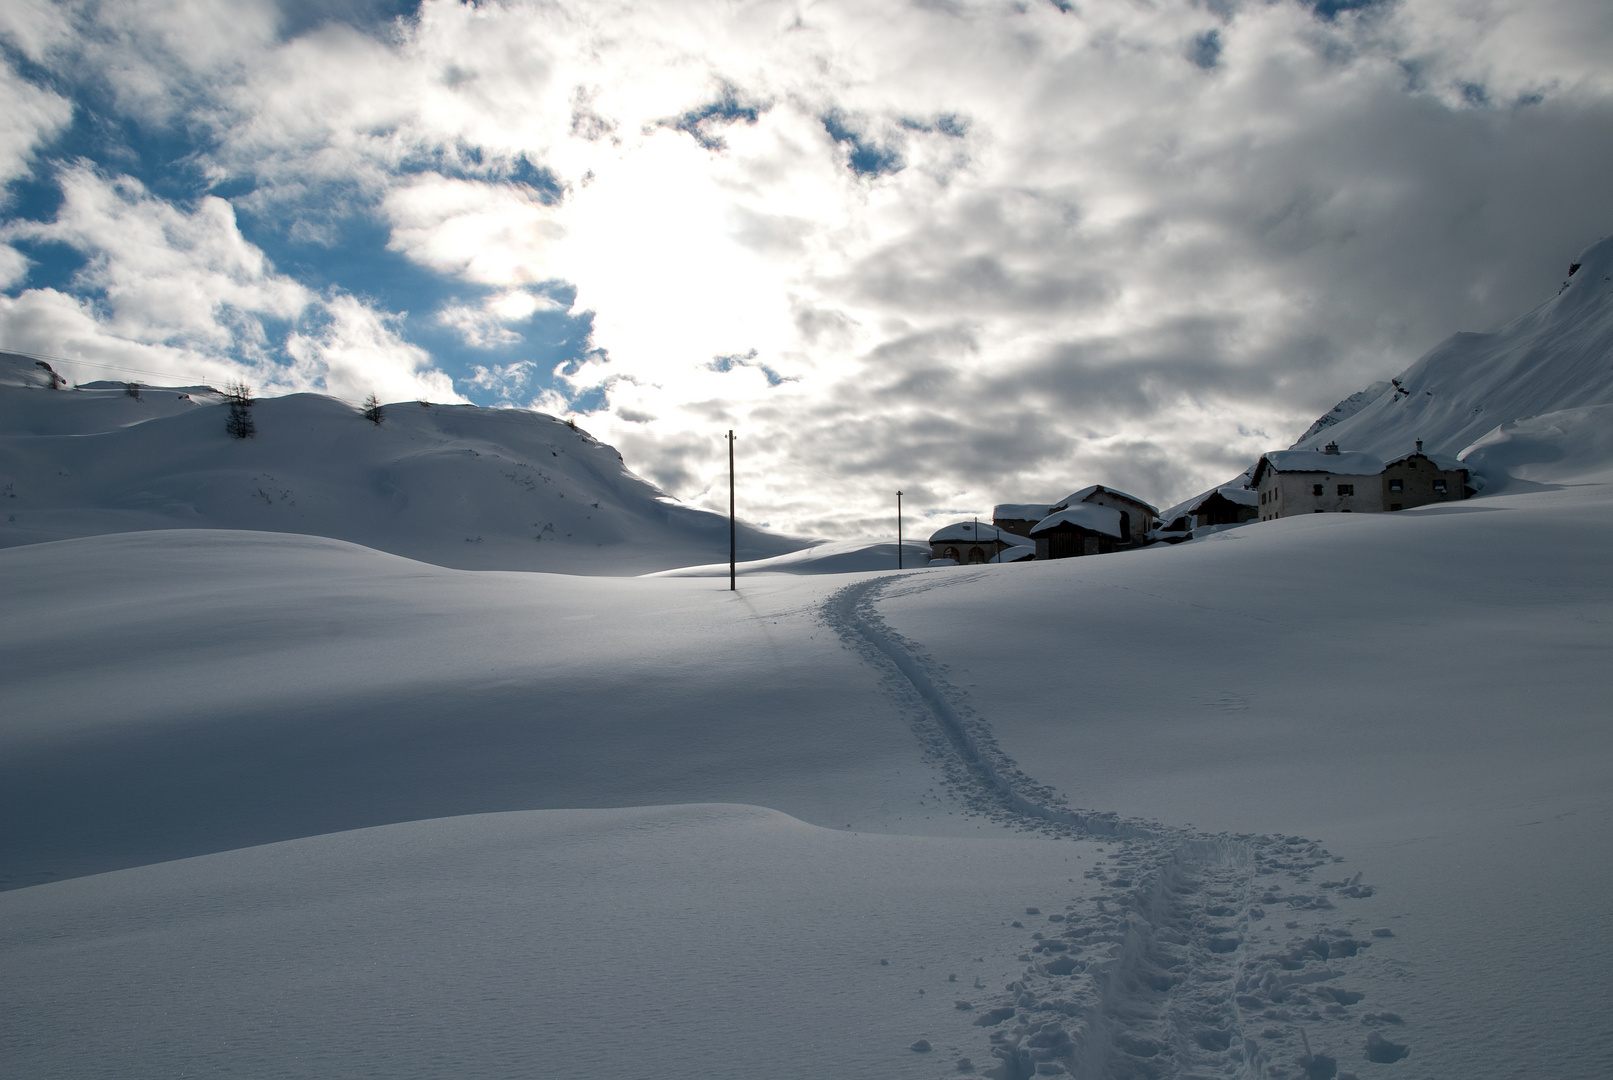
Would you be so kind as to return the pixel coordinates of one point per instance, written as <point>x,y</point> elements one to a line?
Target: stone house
<point>969,542</point>
<point>1289,482</point>
<point>1328,481</point>
<point>1084,528</point>
<point>1417,479</point>
<point>1019,518</point>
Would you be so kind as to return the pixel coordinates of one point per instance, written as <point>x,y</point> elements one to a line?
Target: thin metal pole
<point>731,585</point>
<point>898,530</point>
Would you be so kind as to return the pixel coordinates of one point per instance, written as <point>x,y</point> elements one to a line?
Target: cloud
<point>358,351</point>
<point>487,233</point>
<point>32,117</point>
<point>166,275</point>
<point>172,291</point>
<point>488,325</point>
<point>13,266</point>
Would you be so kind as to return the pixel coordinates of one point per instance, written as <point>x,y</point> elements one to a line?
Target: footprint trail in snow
<point>1174,966</point>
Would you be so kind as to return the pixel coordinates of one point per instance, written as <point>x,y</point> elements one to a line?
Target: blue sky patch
<point>865,156</point>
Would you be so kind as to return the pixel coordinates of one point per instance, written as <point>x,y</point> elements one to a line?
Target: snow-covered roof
<point>1236,493</point>
<point>1440,461</point>
<point>1344,463</point>
<point>969,532</point>
<point>1020,511</point>
<point>1017,553</point>
<point>1087,492</point>
<point>1099,519</point>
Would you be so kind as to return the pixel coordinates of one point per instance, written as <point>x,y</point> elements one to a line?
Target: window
<point>1394,506</point>
<point>1316,489</point>
<point>1439,486</point>
<point>1397,485</point>
<point>1262,498</point>
<point>1346,489</point>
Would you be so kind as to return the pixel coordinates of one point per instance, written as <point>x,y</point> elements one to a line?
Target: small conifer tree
<point>239,424</point>
<point>372,410</point>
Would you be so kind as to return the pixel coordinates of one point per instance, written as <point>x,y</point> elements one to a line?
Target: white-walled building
<point>1330,481</point>
<point>1289,482</point>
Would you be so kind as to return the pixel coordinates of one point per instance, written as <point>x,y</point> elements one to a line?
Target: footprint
<point>1384,1052</point>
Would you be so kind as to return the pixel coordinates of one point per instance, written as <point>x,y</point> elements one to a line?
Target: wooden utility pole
<point>731,545</point>
<point>898,530</point>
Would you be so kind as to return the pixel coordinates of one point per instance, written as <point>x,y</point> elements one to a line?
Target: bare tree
<point>372,410</point>
<point>239,424</point>
<point>133,390</point>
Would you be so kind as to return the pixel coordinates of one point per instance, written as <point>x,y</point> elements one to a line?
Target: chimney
<point>1419,446</point>
<point>1331,448</point>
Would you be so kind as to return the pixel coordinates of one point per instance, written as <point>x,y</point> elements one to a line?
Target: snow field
<point>1320,797</point>
<point>190,692</point>
<point>172,694</point>
<point>1423,691</point>
<point>691,941</point>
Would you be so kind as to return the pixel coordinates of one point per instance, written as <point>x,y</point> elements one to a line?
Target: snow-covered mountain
<point>1346,409</point>
<point>455,485</point>
<point>1558,356</point>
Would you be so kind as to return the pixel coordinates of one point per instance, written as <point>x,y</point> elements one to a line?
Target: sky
<point>974,250</point>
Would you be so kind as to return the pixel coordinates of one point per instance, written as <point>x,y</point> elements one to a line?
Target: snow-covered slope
<point>1558,356</point>
<point>830,557</point>
<point>454,485</point>
<point>1421,694</point>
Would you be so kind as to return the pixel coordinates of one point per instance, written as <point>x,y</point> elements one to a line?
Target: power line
<point>93,364</point>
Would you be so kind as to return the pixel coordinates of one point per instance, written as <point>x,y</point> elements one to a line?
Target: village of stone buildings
<point>1097,519</point>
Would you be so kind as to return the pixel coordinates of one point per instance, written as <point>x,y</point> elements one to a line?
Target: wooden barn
<point>1082,529</point>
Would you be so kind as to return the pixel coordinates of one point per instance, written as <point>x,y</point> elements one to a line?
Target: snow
<point>1236,493</point>
<point>707,940</point>
<point>1551,359</point>
<point>1021,511</point>
<point>1343,463</point>
<point>832,557</point>
<point>454,485</point>
<point>1014,553</point>
<point>1423,691</point>
<point>970,532</point>
<point>1093,489</point>
<point>1439,461</point>
<point>1321,796</point>
<point>1420,693</point>
<point>1346,409</point>
<point>1571,446</point>
<point>1102,519</point>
